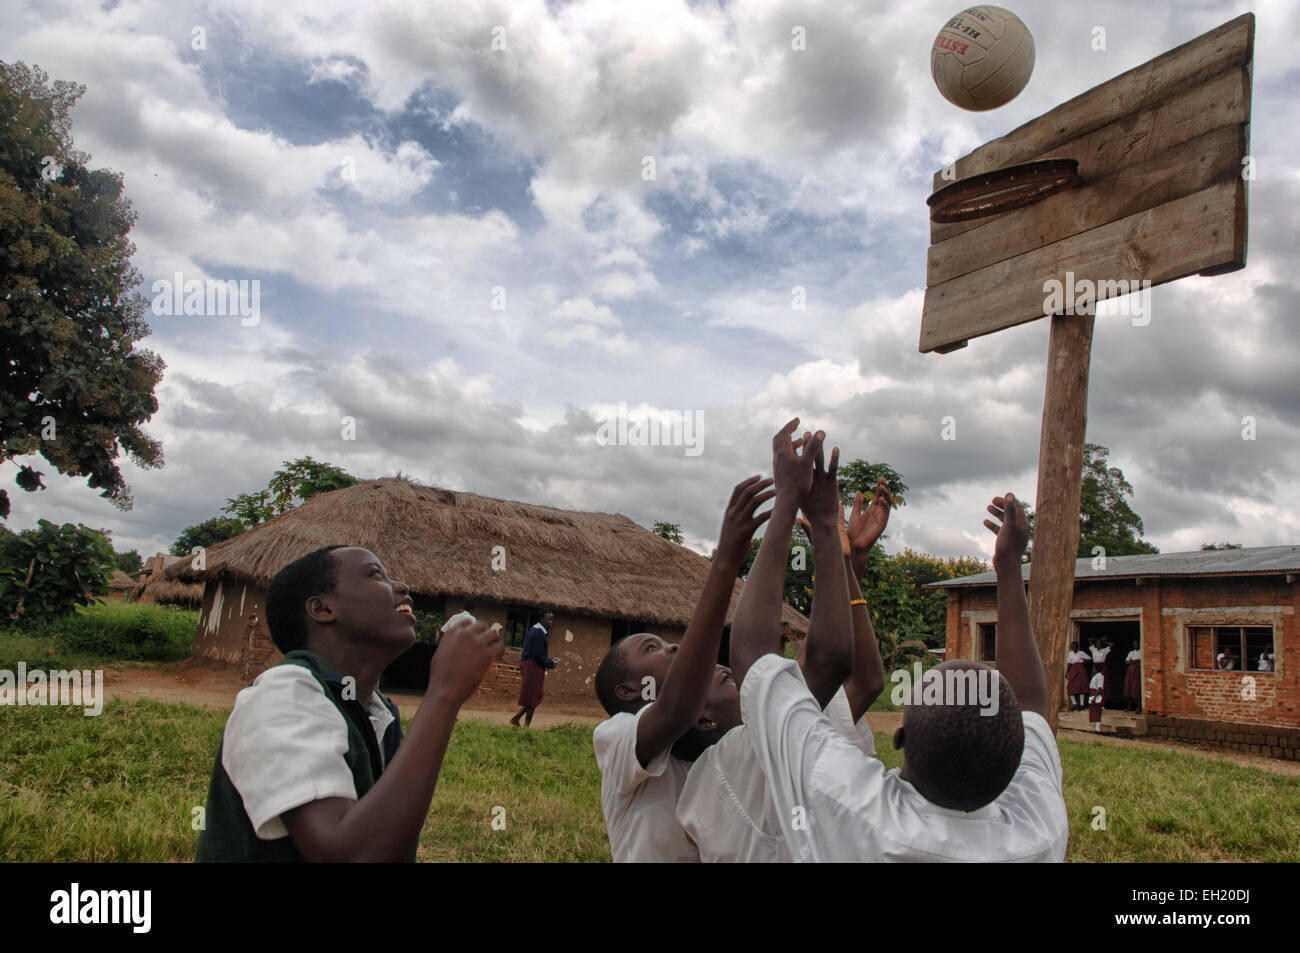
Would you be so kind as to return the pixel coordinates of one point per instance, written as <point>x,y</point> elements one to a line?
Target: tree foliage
<point>205,534</point>
<point>859,475</point>
<point>130,562</point>
<point>73,386</point>
<point>1105,517</point>
<point>293,484</point>
<point>49,571</point>
<point>669,531</point>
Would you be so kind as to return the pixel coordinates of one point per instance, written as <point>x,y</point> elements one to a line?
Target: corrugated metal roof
<point>1258,560</point>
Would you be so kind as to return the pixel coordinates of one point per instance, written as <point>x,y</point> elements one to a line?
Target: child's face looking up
<point>369,605</point>
<point>649,656</point>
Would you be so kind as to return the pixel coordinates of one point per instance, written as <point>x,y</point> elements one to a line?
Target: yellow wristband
<point>858,602</point>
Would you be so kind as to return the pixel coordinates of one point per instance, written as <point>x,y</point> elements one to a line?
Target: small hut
<point>119,587</point>
<point>602,575</point>
<point>154,586</point>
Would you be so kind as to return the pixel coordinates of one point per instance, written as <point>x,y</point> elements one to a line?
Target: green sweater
<point>228,834</point>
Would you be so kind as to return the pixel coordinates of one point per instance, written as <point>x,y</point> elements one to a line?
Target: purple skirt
<point>531,680</point>
<point>1133,680</point>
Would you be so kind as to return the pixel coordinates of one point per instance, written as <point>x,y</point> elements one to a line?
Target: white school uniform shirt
<point>457,619</point>
<point>854,810</point>
<point>1133,656</point>
<point>285,744</point>
<point>1079,656</point>
<point>640,803</point>
<point>726,807</point>
<point>1265,662</point>
<point>1097,684</point>
<point>1099,655</point>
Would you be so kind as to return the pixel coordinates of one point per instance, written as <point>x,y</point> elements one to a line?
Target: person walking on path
<point>534,662</point>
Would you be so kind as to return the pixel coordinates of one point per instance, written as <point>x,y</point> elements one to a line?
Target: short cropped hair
<point>469,605</point>
<point>612,673</point>
<point>961,759</point>
<point>286,598</point>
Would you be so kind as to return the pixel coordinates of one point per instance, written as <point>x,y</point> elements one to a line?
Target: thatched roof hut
<point>120,586</point>
<point>591,569</point>
<point>154,586</point>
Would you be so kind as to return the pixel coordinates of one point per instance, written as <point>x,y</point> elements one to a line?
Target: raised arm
<point>1016,651</point>
<point>680,699</point>
<point>866,524</point>
<point>756,627</point>
<point>828,651</point>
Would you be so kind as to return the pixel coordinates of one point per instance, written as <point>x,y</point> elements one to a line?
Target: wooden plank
<point>1184,169</point>
<point>1056,502</point>
<point>1223,101</point>
<point>1226,47</point>
<point>1180,238</point>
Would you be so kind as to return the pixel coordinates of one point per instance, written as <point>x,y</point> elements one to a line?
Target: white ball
<point>982,58</point>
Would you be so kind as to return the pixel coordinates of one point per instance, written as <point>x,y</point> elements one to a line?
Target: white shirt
<point>457,619</point>
<point>726,807</point>
<point>285,745</point>
<point>1226,661</point>
<point>854,810</point>
<point>1079,656</point>
<point>1099,655</point>
<point>1134,656</point>
<point>1265,663</point>
<point>640,804</point>
<point>1098,682</point>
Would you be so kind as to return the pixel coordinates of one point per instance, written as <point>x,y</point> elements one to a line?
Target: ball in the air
<point>982,58</point>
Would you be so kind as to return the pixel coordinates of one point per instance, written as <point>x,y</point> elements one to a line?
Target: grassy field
<point>122,787</point>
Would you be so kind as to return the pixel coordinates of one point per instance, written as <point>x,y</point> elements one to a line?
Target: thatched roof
<point>120,581</point>
<point>441,543</point>
<point>155,587</point>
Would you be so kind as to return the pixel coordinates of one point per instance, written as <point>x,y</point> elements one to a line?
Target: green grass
<point>122,786</point>
<point>106,633</point>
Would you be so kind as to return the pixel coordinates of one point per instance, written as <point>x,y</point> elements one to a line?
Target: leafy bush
<point>124,631</point>
<point>48,571</point>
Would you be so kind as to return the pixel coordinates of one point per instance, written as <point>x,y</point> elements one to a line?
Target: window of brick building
<point>1230,647</point>
<point>988,642</point>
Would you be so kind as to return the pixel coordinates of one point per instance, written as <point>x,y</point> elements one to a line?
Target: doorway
<point>1124,635</point>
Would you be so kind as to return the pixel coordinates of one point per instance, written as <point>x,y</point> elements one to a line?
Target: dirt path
<point>198,684</point>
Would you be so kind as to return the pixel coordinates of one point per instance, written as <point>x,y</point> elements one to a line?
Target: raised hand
<point>821,503</point>
<point>1012,530</point>
<point>740,521</point>
<point>866,523</point>
<point>792,471</point>
<point>464,655</point>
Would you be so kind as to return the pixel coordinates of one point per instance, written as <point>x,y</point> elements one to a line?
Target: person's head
<point>548,618</point>
<point>721,713</point>
<point>630,674</point>
<point>469,605</point>
<point>1074,646</point>
<point>339,595</point>
<point>956,755</point>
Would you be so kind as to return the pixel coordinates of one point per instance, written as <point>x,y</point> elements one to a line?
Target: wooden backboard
<point>1160,151</point>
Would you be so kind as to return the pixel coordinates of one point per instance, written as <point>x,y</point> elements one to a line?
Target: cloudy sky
<point>461,247</point>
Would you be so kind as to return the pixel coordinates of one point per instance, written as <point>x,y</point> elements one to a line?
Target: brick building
<point>1185,611</point>
<point>602,575</point>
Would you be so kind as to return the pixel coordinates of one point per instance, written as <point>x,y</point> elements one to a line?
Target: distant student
<point>1097,687</point>
<point>660,698</point>
<point>309,766</point>
<point>1077,677</point>
<point>1133,680</point>
<point>726,807</point>
<point>1266,661</point>
<point>1226,660</point>
<point>534,662</point>
<point>977,784</point>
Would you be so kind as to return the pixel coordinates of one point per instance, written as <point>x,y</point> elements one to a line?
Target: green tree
<point>860,475</point>
<point>1211,547</point>
<point>669,531</point>
<point>290,486</point>
<point>73,386</point>
<point>1105,517</point>
<point>49,571</point>
<point>130,562</point>
<point>205,534</point>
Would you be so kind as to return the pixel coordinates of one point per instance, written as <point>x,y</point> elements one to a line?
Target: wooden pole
<point>1056,504</point>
